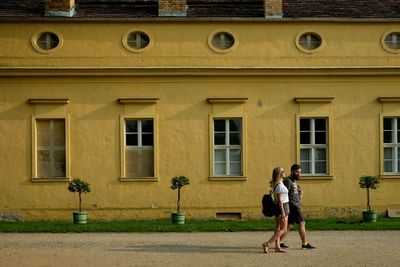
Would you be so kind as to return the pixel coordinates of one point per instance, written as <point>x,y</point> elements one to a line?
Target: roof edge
<point>203,19</point>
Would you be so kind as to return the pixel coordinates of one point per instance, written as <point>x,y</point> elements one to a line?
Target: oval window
<point>46,41</point>
<point>310,41</point>
<point>138,40</point>
<point>392,40</point>
<point>223,40</point>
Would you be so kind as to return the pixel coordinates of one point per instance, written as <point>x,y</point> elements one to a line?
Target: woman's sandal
<point>265,247</point>
<point>279,250</point>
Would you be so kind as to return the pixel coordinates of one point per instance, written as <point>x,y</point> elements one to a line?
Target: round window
<point>138,40</point>
<point>223,41</point>
<point>392,40</point>
<point>46,41</point>
<point>310,41</point>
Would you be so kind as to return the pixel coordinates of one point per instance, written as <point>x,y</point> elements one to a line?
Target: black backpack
<point>268,204</point>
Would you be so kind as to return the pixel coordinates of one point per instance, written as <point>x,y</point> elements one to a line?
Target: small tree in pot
<point>369,182</point>
<point>178,182</point>
<point>81,187</point>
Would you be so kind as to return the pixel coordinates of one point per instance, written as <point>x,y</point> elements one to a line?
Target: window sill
<point>227,178</point>
<point>316,177</point>
<point>389,176</point>
<point>44,180</point>
<point>141,179</point>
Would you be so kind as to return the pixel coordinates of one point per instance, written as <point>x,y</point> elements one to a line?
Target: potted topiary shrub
<point>369,182</point>
<point>178,182</point>
<point>81,187</point>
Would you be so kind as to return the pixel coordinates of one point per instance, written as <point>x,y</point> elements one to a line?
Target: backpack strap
<point>273,190</point>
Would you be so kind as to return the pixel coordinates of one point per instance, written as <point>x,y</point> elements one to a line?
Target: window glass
<point>313,145</point>
<point>220,168</point>
<point>220,155</point>
<point>320,167</point>
<point>147,126</point>
<point>139,150</point>
<point>320,154</point>
<point>223,40</point>
<point>235,155</point>
<point>391,145</point>
<point>392,40</point>
<point>138,40</point>
<point>320,138</point>
<point>305,125</point>
<point>219,138</point>
<point>235,168</point>
<point>139,162</point>
<point>320,124</point>
<point>234,138</point>
<point>51,154</point>
<point>387,124</point>
<point>227,147</point>
<point>219,125</point>
<point>132,140</point>
<point>234,125</point>
<point>310,41</point>
<point>147,139</point>
<point>47,41</point>
<point>387,137</point>
<point>305,138</point>
<point>398,161</point>
<point>131,126</point>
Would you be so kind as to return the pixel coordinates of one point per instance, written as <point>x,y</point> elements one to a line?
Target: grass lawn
<point>190,226</point>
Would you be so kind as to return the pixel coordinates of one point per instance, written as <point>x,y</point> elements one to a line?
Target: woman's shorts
<point>285,210</point>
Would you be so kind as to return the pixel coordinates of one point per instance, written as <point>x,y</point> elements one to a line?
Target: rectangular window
<point>227,147</point>
<point>314,145</point>
<point>391,145</point>
<point>139,148</point>
<point>51,143</point>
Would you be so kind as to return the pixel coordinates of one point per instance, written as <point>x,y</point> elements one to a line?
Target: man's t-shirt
<point>293,191</point>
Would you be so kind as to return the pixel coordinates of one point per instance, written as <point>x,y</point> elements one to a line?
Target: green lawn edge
<point>140,226</point>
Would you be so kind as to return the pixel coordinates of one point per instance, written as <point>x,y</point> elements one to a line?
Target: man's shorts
<point>295,215</point>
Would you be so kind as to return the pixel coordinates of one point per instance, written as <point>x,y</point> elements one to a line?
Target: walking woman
<point>282,212</point>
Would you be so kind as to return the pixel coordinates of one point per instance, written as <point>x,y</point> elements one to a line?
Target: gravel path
<point>334,248</point>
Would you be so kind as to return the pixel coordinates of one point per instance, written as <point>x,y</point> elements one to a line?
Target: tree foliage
<point>79,186</point>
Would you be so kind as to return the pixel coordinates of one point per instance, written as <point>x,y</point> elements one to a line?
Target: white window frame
<point>35,176</point>
<point>314,146</point>
<point>227,147</point>
<point>395,145</point>
<point>123,120</point>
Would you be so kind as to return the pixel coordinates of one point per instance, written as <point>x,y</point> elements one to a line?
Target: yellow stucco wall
<point>93,70</point>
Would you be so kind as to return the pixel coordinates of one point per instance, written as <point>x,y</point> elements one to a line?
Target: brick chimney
<point>172,8</point>
<point>273,9</point>
<point>59,8</point>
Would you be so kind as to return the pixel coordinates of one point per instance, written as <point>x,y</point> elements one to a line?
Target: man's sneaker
<point>308,246</point>
<point>283,245</point>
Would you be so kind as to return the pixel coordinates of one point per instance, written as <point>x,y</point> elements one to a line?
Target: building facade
<point>127,95</point>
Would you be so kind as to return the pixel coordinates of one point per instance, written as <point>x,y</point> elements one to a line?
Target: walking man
<point>295,215</point>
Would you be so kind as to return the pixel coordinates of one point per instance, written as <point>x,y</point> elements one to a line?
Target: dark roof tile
<point>116,8</point>
<point>341,8</point>
<point>225,8</point>
<point>212,8</point>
